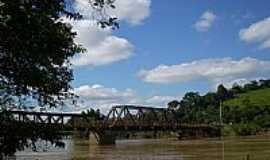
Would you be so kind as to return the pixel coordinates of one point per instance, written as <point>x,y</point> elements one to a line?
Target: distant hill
<point>259,97</point>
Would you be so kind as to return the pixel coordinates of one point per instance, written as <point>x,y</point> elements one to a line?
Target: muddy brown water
<point>237,148</point>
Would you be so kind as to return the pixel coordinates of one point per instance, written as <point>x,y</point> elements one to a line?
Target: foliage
<point>36,46</point>
<point>35,51</point>
<point>244,129</point>
<point>256,97</point>
<point>16,136</point>
<point>173,104</point>
<point>103,19</point>
<point>196,108</point>
<point>251,86</point>
<point>246,109</point>
<point>223,93</point>
<point>92,115</point>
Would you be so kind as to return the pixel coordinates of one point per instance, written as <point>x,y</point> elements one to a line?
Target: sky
<point>164,49</point>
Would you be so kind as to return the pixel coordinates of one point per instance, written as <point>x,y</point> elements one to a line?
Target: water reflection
<point>252,148</point>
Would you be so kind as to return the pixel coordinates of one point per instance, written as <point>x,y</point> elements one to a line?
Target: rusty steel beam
<point>120,117</point>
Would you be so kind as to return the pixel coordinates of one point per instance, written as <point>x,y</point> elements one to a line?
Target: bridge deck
<point>120,117</point>
<point>46,113</point>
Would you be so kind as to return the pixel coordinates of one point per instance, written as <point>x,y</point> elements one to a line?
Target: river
<point>239,148</point>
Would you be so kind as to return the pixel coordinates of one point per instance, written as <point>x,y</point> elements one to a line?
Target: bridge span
<point>121,118</point>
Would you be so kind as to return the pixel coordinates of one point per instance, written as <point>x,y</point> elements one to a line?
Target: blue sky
<point>164,49</point>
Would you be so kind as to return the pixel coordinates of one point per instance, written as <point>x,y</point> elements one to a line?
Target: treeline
<point>251,86</point>
<point>241,120</point>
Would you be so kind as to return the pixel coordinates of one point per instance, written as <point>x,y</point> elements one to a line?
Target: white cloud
<point>99,92</point>
<point>99,97</point>
<point>102,46</point>
<point>215,70</point>
<point>132,11</point>
<point>258,32</point>
<point>205,22</point>
<point>162,100</point>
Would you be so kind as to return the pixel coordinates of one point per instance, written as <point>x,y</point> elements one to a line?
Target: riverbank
<point>235,130</point>
<point>244,130</point>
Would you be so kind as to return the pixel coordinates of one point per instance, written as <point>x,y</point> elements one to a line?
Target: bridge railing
<point>120,117</point>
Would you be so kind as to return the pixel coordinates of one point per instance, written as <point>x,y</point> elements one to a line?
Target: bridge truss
<point>130,117</point>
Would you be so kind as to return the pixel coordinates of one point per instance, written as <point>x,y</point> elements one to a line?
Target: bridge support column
<point>103,138</point>
<point>107,138</point>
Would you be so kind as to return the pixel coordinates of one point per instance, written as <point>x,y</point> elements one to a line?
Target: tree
<point>223,93</point>
<point>253,85</point>
<point>36,46</point>
<point>35,51</point>
<point>236,88</point>
<point>92,115</point>
<point>264,83</point>
<point>173,104</point>
<point>191,105</point>
<point>210,100</point>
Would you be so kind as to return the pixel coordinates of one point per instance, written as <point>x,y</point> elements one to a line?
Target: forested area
<point>242,118</point>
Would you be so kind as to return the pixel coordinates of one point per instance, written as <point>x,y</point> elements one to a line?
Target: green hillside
<point>258,98</point>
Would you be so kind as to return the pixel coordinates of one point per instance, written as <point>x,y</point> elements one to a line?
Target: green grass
<point>257,98</point>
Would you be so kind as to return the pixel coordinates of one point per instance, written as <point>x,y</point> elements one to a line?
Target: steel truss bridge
<point>121,118</point>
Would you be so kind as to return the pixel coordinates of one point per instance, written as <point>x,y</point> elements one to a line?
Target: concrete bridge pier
<point>103,138</point>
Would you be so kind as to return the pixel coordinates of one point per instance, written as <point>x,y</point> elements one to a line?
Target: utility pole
<point>220,113</point>
<point>221,124</point>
